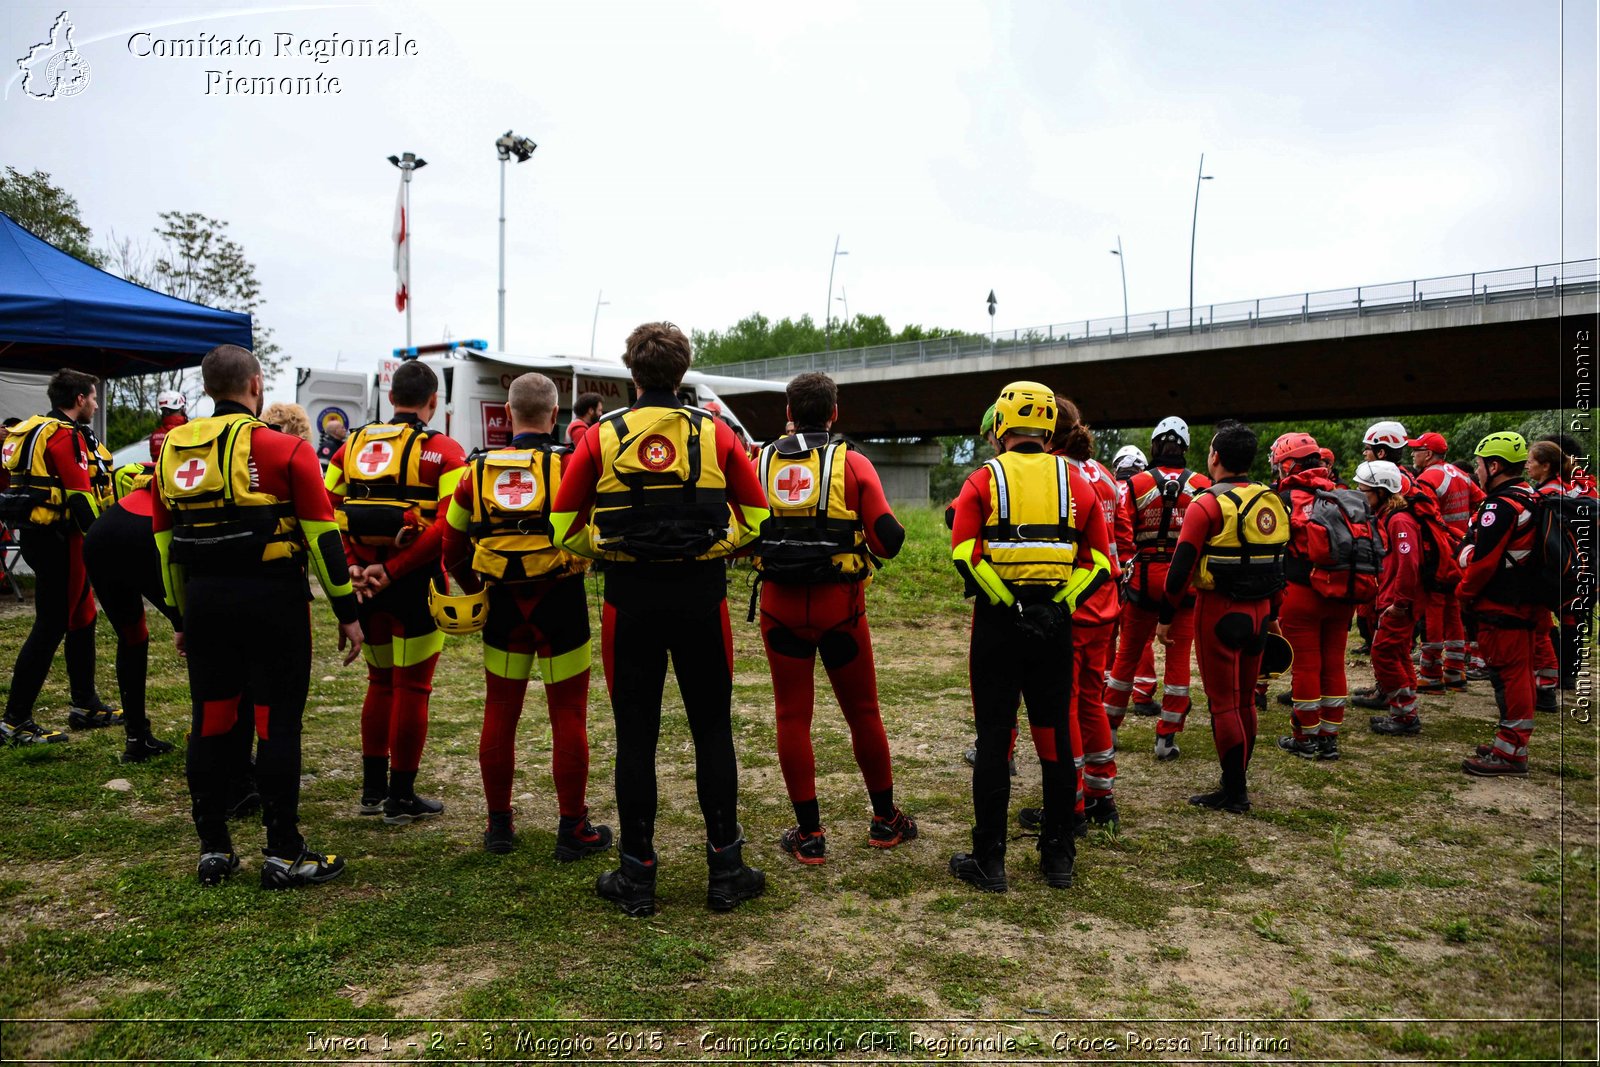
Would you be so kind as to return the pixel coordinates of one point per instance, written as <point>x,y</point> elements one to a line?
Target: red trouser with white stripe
<point>1229,636</point>
<point>1317,629</point>
<point>1546,668</point>
<point>1391,662</point>
<point>1444,645</point>
<point>1138,627</point>
<point>1509,653</point>
<point>1097,763</point>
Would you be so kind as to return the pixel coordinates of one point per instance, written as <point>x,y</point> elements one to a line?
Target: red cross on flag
<point>375,457</point>
<point>514,488</point>
<point>402,250</point>
<point>795,484</point>
<point>190,473</point>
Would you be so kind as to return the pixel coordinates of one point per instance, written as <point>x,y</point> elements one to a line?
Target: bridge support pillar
<point>903,469</point>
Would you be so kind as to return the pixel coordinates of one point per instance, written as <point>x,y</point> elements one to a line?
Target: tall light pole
<point>827,309</point>
<point>844,298</point>
<point>407,162</point>
<point>598,304</point>
<point>1123,263</point>
<point>507,145</point>
<point>1200,176</point>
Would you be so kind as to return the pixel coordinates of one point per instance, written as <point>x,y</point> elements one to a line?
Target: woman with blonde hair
<point>289,418</point>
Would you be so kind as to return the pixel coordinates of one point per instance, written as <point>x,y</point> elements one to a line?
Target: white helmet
<point>1173,425</point>
<point>172,400</point>
<point>1378,474</point>
<point>1388,433</point>
<point>1129,458</point>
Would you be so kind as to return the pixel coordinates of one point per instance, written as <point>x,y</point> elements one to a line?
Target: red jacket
<point>163,427</point>
<point>1104,604</point>
<point>1400,581</point>
<point>1457,494</point>
<point>1497,552</point>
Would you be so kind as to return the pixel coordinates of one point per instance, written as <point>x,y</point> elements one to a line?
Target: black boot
<point>1056,858</point>
<point>632,886</point>
<point>987,874</point>
<point>730,880</point>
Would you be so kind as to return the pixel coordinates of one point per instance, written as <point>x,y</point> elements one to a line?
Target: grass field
<point>1358,898</point>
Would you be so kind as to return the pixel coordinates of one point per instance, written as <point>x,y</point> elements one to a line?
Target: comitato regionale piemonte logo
<point>53,68</point>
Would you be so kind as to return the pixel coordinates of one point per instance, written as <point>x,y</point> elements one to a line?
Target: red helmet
<point>1294,445</point>
<point>1327,455</point>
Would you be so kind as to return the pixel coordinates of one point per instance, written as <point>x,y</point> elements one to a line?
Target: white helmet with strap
<point>172,400</point>
<point>1129,458</point>
<point>1388,433</point>
<point>1172,425</point>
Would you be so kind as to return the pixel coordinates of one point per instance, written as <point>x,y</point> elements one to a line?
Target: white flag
<point>402,250</point>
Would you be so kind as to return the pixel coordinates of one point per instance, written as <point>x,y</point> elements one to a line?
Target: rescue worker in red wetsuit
<point>57,491</point>
<point>1030,535</point>
<point>1569,647</point>
<point>829,526</point>
<point>1130,460</point>
<point>664,493</point>
<point>1444,647</point>
<point>1316,612</point>
<point>1544,469</point>
<point>238,512</point>
<point>387,483</point>
<point>1400,594</point>
<point>527,595</point>
<point>585,413</point>
<point>1232,546</point>
<point>173,409</point>
<point>1498,589</point>
<point>1149,523</point>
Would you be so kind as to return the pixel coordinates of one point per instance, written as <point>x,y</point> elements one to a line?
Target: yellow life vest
<point>37,496</point>
<point>132,477</point>
<point>1244,559</point>
<point>811,535</point>
<point>385,492</point>
<point>102,475</point>
<point>662,495</point>
<point>1029,536</point>
<point>218,516</point>
<point>510,529</point>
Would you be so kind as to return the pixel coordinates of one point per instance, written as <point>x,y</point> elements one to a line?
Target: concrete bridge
<point>1473,342</point>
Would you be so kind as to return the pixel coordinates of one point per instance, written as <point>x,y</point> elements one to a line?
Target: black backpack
<point>1564,530</point>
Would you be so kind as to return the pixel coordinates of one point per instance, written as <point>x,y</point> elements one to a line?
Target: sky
<point>697,161</point>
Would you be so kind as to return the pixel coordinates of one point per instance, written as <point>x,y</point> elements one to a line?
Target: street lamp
<point>844,298</point>
<point>827,309</point>
<point>1200,176</point>
<point>1123,263</point>
<point>407,162</point>
<point>991,318</point>
<point>507,145</point>
<point>598,304</point>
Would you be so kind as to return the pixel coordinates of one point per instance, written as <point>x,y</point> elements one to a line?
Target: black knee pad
<point>785,642</point>
<point>1237,631</point>
<point>837,649</point>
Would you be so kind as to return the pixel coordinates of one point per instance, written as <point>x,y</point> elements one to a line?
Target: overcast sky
<point>696,160</point>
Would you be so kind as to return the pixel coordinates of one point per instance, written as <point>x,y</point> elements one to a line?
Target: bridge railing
<point>1545,281</point>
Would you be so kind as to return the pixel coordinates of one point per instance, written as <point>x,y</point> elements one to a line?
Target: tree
<point>194,260</point>
<point>47,212</point>
<point>758,337</point>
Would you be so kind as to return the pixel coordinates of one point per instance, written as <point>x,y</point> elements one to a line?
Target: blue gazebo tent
<point>57,311</point>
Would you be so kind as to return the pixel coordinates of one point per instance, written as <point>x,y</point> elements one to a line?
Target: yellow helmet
<point>1503,445</point>
<point>457,615</point>
<point>1025,406</point>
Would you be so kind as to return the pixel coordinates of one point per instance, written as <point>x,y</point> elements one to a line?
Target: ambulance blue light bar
<point>443,346</point>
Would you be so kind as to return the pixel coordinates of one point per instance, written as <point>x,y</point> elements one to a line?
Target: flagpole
<point>407,162</point>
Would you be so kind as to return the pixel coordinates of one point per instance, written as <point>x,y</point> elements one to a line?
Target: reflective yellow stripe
<point>566,665</point>
<point>335,582</point>
<point>334,480</point>
<point>381,656</point>
<point>517,666</point>
<point>171,573</point>
<point>448,482</point>
<point>409,651</point>
<point>458,517</point>
<point>90,496</point>
<point>1082,577</point>
<point>579,542</point>
<point>751,519</point>
<point>988,579</point>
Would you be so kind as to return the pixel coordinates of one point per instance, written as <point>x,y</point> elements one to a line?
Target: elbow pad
<point>890,534</point>
<point>1085,581</point>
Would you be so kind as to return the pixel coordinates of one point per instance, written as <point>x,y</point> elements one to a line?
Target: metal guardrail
<point>1546,281</point>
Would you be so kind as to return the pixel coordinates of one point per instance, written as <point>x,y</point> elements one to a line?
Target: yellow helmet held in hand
<point>1025,406</point>
<point>457,615</point>
<point>1505,445</point>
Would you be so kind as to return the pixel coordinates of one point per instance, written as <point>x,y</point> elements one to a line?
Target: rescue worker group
<point>1076,571</point>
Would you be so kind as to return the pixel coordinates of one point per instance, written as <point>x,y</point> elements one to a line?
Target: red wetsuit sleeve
<point>455,547</point>
<point>1200,520</point>
<point>971,505</point>
<point>1125,512</point>
<point>1402,564</point>
<point>1092,521</point>
<point>419,553</point>
<point>579,477</point>
<point>744,486</point>
<point>71,464</point>
<point>863,494</point>
<point>1492,530</point>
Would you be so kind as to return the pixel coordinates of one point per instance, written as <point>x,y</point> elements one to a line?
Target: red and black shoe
<point>582,839</point>
<point>887,833</point>
<point>811,846</point>
<point>1494,765</point>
